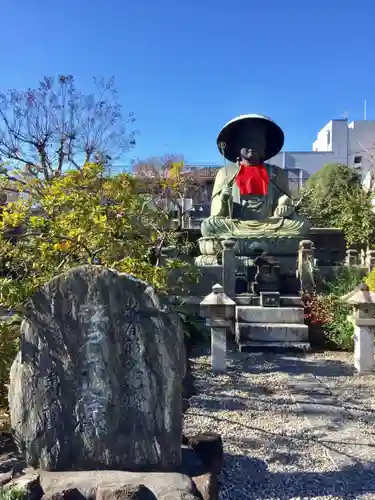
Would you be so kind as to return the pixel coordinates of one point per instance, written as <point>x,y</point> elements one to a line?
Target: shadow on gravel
<point>247,478</point>
<point>270,362</point>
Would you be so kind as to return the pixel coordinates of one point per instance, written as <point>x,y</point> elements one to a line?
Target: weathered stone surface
<point>179,495</point>
<point>191,464</point>
<point>208,486</point>
<point>272,332</point>
<point>161,484</point>
<point>128,492</point>
<point>209,448</point>
<point>98,379</point>
<point>257,314</point>
<point>69,494</point>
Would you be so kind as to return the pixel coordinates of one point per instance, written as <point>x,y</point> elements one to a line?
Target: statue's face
<point>255,141</point>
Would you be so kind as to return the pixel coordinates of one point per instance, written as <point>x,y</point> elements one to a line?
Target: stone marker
<point>219,311</point>
<point>98,379</point>
<point>352,257</point>
<point>229,267</point>
<point>363,318</point>
<point>370,259</point>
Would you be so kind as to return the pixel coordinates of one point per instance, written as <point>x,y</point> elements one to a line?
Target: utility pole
<point>365,110</point>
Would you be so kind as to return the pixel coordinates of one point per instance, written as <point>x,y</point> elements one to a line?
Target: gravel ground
<point>292,427</point>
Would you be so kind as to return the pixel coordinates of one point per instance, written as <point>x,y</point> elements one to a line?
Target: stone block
<point>127,492</point>
<point>68,494</point>
<point>252,345</point>
<point>271,332</point>
<point>208,486</point>
<point>98,356</point>
<point>258,314</point>
<point>161,484</point>
<point>209,448</point>
<point>270,299</point>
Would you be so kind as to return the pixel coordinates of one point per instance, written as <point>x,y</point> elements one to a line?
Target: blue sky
<point>185,67</point>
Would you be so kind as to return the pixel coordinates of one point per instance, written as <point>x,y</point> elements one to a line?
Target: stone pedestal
<point>219,346</point>
<point>363,318</point>
<point>219,310</point>
<point>364,349</point>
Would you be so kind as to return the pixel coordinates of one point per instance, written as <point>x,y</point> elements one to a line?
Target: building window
<point>328,137</point>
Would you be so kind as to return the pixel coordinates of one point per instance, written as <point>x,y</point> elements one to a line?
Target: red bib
<point>252,180</point>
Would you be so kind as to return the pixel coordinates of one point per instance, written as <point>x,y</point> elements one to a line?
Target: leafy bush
<point>13,493</point>
<point>326,314</point>
<point>334,197</point>
<point>84,217</point>
<point>370,280</point>
<point>344,280</point>
<point>9,343</point>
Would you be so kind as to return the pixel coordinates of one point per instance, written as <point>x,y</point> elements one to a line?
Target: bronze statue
<point>250,198</point>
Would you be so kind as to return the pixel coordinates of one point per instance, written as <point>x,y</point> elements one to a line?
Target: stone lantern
<point>219,311</point>
<point>363,318</point>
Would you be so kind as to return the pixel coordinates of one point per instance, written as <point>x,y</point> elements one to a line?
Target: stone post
<point>352,257</point>
<point>370,260</point>
<point>363,318</point>
<point>229,267</point>
<point>219,311</point>
<point>305,265</point>
<point>362,258</point>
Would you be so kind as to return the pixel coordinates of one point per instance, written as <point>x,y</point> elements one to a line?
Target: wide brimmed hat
<point>232,133</point>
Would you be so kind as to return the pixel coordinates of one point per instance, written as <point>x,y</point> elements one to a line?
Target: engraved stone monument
<point>97,383</point>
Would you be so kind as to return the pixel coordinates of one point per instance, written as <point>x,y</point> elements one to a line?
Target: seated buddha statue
<point>251,198</point>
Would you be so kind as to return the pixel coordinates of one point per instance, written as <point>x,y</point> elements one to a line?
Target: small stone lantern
<point>219,311</point>
<point>363,318</point>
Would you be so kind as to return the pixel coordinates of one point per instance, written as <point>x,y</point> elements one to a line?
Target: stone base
<point>258,314</point>
<point>249,299</point>
<point>275,346</point>
<point>251,246</point>
<point>271,332</point>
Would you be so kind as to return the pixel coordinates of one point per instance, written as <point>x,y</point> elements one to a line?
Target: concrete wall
<point>307,161</point>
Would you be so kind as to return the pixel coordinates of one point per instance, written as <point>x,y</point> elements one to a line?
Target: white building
<point>338,142</point>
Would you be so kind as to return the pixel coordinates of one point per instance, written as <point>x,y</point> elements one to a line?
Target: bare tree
<point>168,183</point>
<point>53,127</point>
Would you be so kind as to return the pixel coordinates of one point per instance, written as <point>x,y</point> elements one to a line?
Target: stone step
<point>271,332</point>
<point>253,300</point>
<point>275,346</point>
<point>258,314</point>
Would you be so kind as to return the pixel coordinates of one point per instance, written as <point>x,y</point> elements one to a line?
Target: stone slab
<point>98,356</point>
<point>254,300</point>
<point>271,332</point>
<point>86,481</point>
<point>258,314</point>
<point>275,346</point>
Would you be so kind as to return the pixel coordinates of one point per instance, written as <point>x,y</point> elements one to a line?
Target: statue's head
<point>254,138</point>
<point>255,143</point>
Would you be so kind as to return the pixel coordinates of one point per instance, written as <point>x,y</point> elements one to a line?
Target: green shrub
<point>340,331</point>
<point>326,312</point>
<point>13,493</point>
<point>370,280</point>
<point>344,280</point>
<point>9,344</point>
